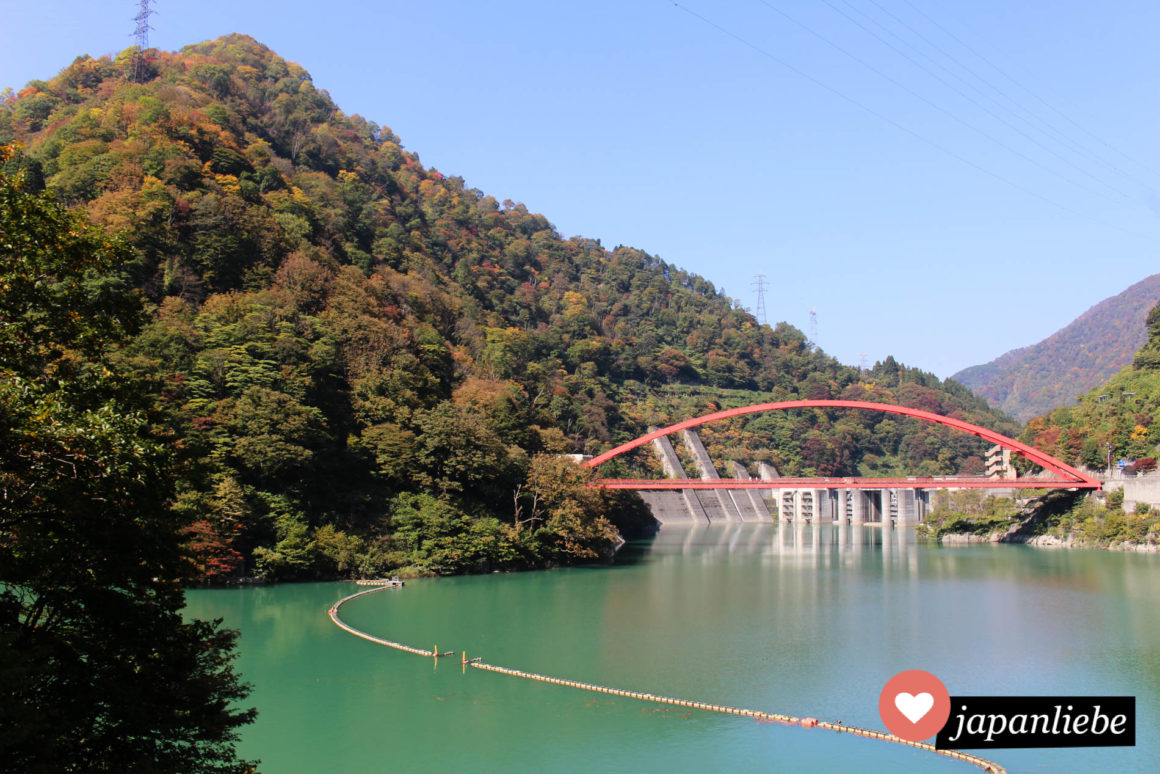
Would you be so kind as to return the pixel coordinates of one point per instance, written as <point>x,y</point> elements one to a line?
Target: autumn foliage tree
<point>348,345</point>
<point>98,669</point>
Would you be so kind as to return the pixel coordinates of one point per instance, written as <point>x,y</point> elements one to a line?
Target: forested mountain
<point>368,365</point>
<point>1119,419</point>
<point>1033,380</point>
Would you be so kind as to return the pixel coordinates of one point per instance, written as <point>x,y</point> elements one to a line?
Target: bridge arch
<point>1070,477</point>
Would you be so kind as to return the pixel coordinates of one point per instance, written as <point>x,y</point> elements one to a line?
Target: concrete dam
<point>901,506</point>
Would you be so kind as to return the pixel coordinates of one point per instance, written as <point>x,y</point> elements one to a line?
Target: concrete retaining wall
<point>753,506</point>
<point>717,503</point>
<point>680,507</point>
<point>1137,489</point>
<point>674,507</point>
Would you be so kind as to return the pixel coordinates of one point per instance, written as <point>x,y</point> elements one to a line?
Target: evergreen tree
<point>98,669</point>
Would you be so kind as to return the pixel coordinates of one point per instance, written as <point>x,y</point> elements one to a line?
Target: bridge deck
<point>912,482</point>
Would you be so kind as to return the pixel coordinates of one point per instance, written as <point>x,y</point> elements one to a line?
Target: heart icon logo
<point>913,707</point>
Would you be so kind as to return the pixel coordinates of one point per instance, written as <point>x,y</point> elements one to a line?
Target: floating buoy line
<point>768,717</point>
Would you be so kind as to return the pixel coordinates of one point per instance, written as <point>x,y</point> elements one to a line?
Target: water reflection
<point>899,552</point>
<point>825,545</point>
<point>783,617</point>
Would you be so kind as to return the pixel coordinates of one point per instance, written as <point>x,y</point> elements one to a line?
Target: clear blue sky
<point>730,140</point>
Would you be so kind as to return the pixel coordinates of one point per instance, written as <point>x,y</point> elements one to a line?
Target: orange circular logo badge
<point>914,705</point>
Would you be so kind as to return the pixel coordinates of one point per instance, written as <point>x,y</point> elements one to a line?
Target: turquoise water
<point>798,620</point>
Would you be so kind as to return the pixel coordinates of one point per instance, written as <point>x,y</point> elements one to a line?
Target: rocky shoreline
<point>1045,541</point>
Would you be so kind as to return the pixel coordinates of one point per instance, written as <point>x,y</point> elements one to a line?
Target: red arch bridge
<point>1057,474</point>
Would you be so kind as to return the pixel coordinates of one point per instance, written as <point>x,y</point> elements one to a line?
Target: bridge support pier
<point>840,505</point>
<point>790,505</point>
<point>885,515</point>
<point>907,507</point>
<point>858,507</point>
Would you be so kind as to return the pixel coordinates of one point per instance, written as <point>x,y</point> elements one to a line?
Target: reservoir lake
<point>794,619</point>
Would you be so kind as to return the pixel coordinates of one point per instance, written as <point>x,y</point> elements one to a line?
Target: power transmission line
<point>902,128</point>
<point>1021,112</point>
<point>1028,91</point>
<point>984,133</point>
<point>956,89</point>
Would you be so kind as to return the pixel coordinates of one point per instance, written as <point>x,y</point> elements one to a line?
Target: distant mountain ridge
<point>1031,381</point>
